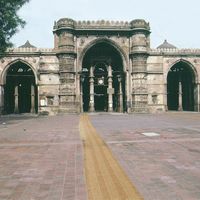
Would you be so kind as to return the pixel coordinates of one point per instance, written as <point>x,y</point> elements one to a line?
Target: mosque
<point>99,66</point>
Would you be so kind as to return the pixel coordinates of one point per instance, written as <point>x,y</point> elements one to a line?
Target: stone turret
<point>63,35</point>
<point>140,37</point>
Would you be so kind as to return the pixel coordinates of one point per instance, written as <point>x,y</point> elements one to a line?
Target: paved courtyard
<point>163,167</point>
<point>42,158</point>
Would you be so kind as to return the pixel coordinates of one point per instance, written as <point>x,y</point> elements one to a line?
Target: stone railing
<point>29,50</point>
<point>175,51</point>
<point>100,24</point>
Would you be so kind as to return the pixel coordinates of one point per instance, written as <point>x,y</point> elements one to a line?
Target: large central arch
<point>20,90</point>
<point>181,87</point>
<point>103,79</point>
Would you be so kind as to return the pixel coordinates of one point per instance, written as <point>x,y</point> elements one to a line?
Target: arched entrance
<point>181,87</point>
<point>103,79</point>
<point>20,89</point>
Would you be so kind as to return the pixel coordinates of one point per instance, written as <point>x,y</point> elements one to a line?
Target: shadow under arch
<point>182,90</point>
<point>106,41</point>
<point>103,67</point>
<point>20,88</point>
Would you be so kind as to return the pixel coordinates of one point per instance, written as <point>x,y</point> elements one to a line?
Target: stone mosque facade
<point>99,66</point>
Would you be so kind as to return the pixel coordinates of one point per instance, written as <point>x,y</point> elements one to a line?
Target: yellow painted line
<point>105,179</point>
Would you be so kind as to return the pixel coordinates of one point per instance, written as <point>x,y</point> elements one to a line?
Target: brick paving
<point>41,158</point>
<point>164,167</point>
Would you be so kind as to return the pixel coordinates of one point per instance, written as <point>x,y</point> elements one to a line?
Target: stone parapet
<point>174,51</point>
<point>29,50</point>
<point>67,23</point>
<point>102,24</point>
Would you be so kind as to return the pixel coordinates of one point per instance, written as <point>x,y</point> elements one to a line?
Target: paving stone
<point>40,163</point>
<point>161,167</point>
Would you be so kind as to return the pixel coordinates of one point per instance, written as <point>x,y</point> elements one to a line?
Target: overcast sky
<point>178,21</point>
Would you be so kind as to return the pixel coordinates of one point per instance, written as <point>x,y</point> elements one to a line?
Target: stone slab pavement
<point>41,158</point>
<point>162,167</point>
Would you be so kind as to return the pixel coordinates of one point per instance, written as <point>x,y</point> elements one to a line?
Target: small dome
<point>27,45</point>
<point>166,45</point>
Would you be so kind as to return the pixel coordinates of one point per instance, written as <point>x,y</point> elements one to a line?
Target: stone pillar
<point>91,104</point>
<point>165,97</point>
<point>139,83</point>
<point>180,106</point>
<point>120,95</point>
<point>139,54</point>
<point>66,53</point>
<point>198,97</point>
<point>16,94</point>
<point>32,99</point>
<point>128,84</point>
<point>81,81</point>
<point>1,99</point>
<point>110,90</point>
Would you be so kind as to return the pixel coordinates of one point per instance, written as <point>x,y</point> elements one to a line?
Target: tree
<point>9,21</point>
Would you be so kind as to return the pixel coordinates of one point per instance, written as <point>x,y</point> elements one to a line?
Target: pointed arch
<point>182,93</point>
<point>20,88</point>
<point>107,41</point>
<point>103,65</point>
<point>5,70</point>
<point>184,61</point>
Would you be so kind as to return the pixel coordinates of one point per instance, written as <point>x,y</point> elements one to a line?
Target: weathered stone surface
<point>59,71</point>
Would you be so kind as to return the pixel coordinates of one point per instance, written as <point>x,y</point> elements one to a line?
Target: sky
<point>178,21</point>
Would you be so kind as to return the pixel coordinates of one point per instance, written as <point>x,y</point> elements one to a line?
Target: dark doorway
<point>180,77</point>
<point>20,87</point>
<point>99,57</point>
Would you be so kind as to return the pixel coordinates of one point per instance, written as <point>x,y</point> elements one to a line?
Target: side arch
<point>19,86</point>
<point>5,70</point>
<point>182,89</point>
<point>196,78</point>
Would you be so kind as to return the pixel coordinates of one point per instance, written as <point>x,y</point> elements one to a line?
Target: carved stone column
<point>139,83</point>
<point>180,106</point>
<point>81,81</point>
<point>65,48</point>
<point>198,97</point>
<point>110,90</point>
<point>32,99</point>
<point>190,95</point>
<point>91,104</point>
<point>139,53</point>
<point>1,99</point>
<point>120,95</point>
<point>16,94</point>
<point>165,97</point>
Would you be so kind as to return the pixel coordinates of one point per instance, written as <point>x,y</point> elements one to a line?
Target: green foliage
<point>9,21</point>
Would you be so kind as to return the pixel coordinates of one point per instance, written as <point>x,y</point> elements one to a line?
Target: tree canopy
<point>9,21</point>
